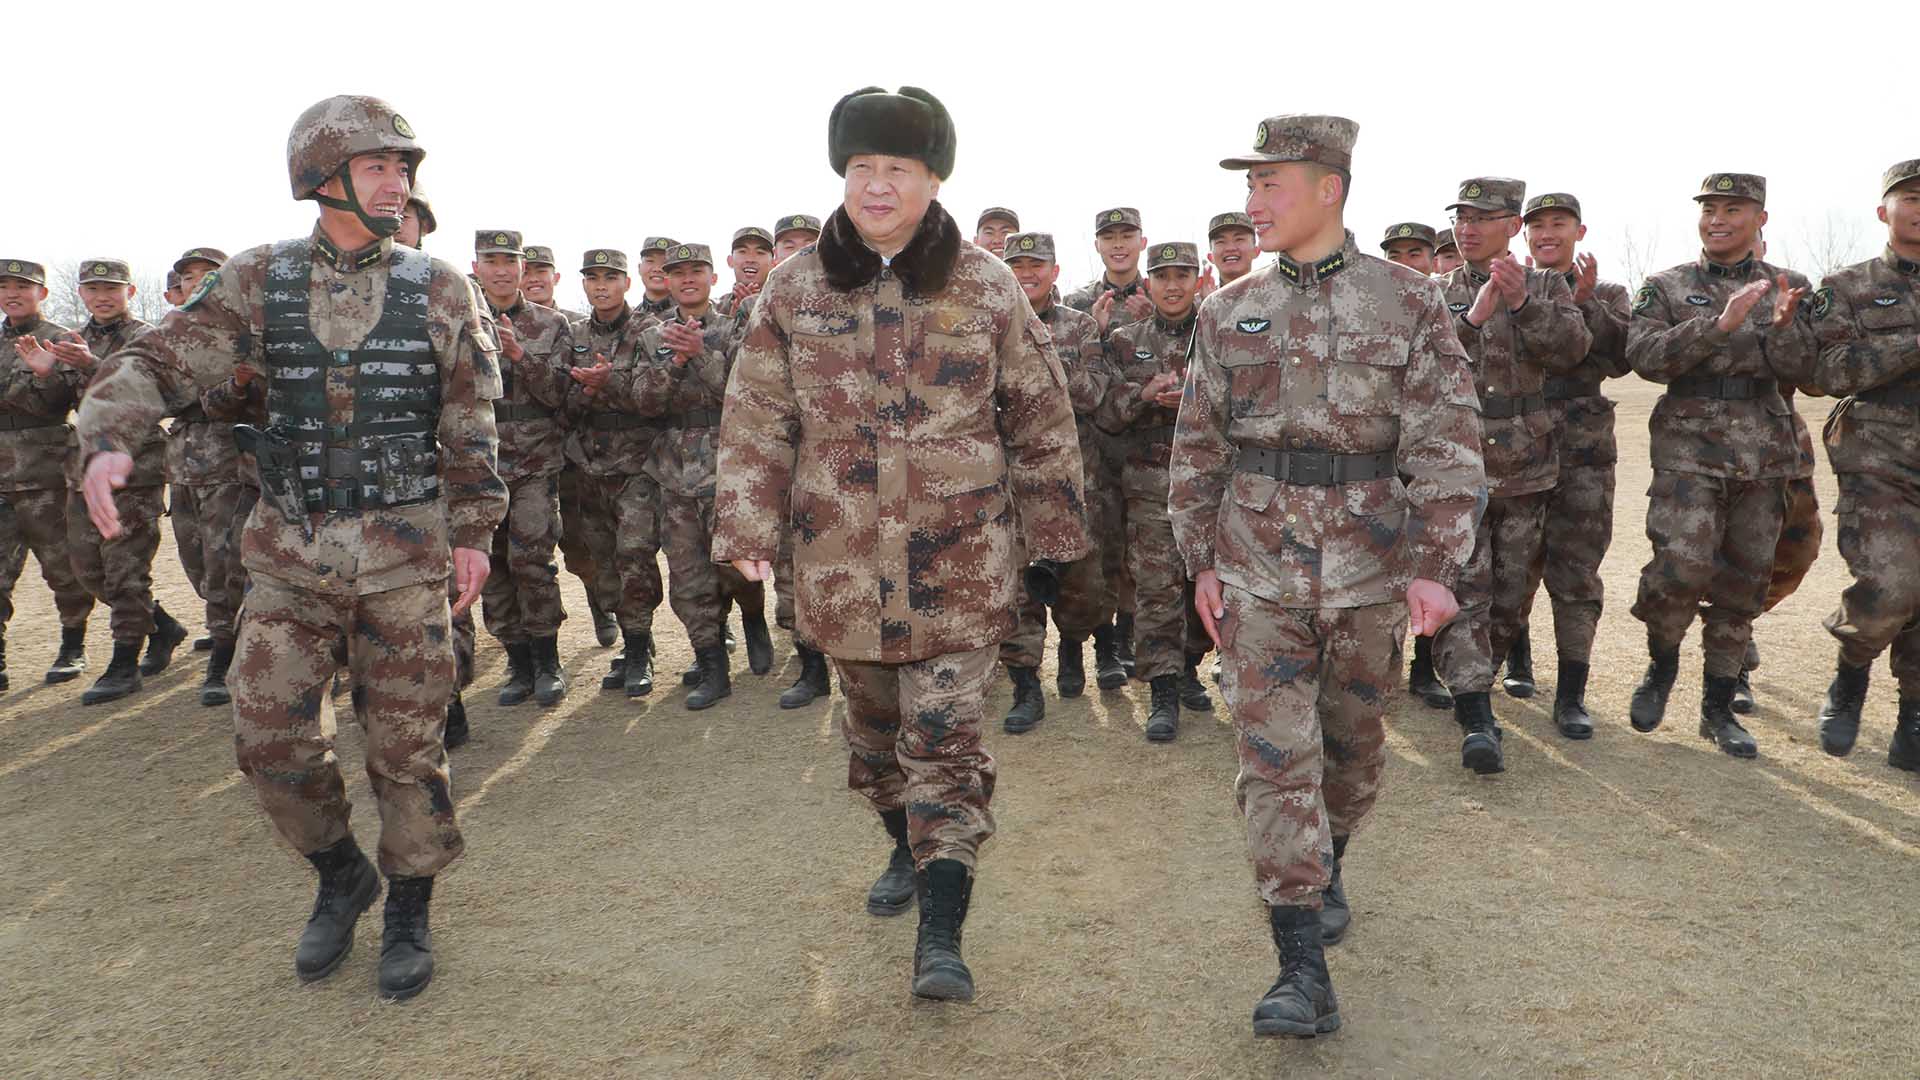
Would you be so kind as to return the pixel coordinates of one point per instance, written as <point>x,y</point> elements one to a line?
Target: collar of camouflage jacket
<point>924,265</point>
<point>347,262</point>
<point>25,327</point>
<point>1904,265</point>
<point>615,324</point>
<point>1307,275</point>
<point>1741,269</point>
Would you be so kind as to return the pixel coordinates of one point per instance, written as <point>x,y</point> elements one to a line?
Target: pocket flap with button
<point>1371,498</point>
<point>1253,491</point>
<point>1874,317</point>
<point>976,507</point>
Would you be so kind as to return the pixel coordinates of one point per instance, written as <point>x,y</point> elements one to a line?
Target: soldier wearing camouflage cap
<point>365,493</point>
<point>655,299</point>
<point>1233,246</point>
<point>540,277</point>
<point>1314,386</point>
<point>1446,253</point>
<point>1147,362</point>
<point>1082,604</point>
<point>33,444</point>
<point>1866,317</point>
<point>194,263</point>
<point>174,296</point>
<point>991,229</point>
<point>793,232</point>
<point>751,259</point>
<point>1410,244</point>
<point>1518,326</point>
<point>1119,241</point>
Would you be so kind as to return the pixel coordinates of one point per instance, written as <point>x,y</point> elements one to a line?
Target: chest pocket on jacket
<point>957,354</point>
<point>1367,373</point>
<point>823,349</point>
<point>1255,385</point>
<point>1875,317</point>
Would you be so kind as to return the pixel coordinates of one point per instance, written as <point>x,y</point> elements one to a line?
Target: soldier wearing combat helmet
<point>368,485</point>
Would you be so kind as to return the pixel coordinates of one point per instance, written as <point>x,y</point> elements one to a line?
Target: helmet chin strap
<point>381,227</point>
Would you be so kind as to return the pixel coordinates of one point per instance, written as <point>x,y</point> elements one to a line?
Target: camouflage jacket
<point>529,414</point>
<point>1511,356</point>
<point>1350,355</point>
<point>32,458</point>
<point>1076,342</point>
<point>1082,299</point>
<point>659,309</point>
<point>612,439</point>
<point>901,412</point>
<point>344,553</point>
<point>687,397</point>
<point>150,460</point>
<point>735,307</point>
<point>1582,414</point>
<point>1867,319</point>
<point>211,456</point>
<point>1143,431</point>
<point>1675,335</point>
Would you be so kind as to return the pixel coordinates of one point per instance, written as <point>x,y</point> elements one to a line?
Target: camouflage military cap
<point>1496,193</point>
<point>753,232</point>
<point>797,222</point>
<point>1553,200</point>
<point>1734,185</point>
<point>603,259</point>
<point>337,130</point>
<point>1325,140</point>
<point>498,242</point>
<point>1116,218</point>
<point>1177,253</point>
<point>200,254</point>
<point>687,253</point>
<point>1410,230</point>
<point>1897,174</point>
<point>24,270</point>
<point>1444,241</point>
<point>540,255</point>
<point>1029,245</point>
<point>1000,212</point>
<point>656,243</point>
<point>1232,219</point>
<point>173,279</point>
<point>110,271</point>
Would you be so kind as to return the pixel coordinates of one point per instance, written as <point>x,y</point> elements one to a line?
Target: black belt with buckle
<point>1562,388</point>
<point>507,412</point>
<point>1891,395</point>
<point>1724,387</point>
<point>619,421</point>
<point>694,418</point>
<point>23,422</point>
<point>1495,407</point>
<point>1313,467</point>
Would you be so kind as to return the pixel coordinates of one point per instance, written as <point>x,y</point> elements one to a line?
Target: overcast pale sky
<point>595,125</point>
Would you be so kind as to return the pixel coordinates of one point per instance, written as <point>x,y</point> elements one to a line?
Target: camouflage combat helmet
<point>417,199</point>
<point>335,131</point>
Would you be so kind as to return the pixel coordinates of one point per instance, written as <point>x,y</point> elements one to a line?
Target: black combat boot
<point>1071,677</point>
<point>1422,682</point>
<point>1717,723</point>
<point>1163,717</point>
<point>1300,1003</point>
<point>1029,707</point>
<point>1108,672</point>
<point>716,681</point>
<point>893,890</point>
<point>1650,697</point>
<point>636,675</point>
<point>1840,716</point>
<point>457,732</point>
<point>1480,749</point>
<point>202,644</point>
<point>1123,641</point>
<point>1570,701</point>
<point>1193,692</point>
<point>72,659</point>
<point>3,663</point>
<point>814,681</point>
<point>166,637</point>
<point>759,642</point>
<point>1518,681</point>
<point>1335,915</point>
<point>348,886</point>
<point>406,945</point>
<point>606,627</point>
<point>945,888</point>
<point>121,678</point>
<point>519,684</point>
<point>1743,683</point>
<point>213,689</point>
<point>1904,751</point>
<point>549,678</point>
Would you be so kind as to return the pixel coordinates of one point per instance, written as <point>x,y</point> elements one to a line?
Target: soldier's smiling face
<point>886,197</point>
<point>652,277</point>
<point>380,183</point>
<point>1290,202</point>
<point>499,275</point>
<point>105,300</point>
<point>409,233</point>
<point>1036,278</point>
<point>1552,236</point>
<point>1413,254</point>
<point>1446,260</point>
<point>606,290</point>
<point>1171,289</point>
<point>791,241</point>
<point>993,234</point>
<point>538,281</point>
<point>1233,252</point>
<point>1119,248</point>
<point>750,260</point>
<point>20,298</point>
<point>1484,234</point>
<point>1729,227</point>
<point>1901,211</point>
<point>691,284</point>
<point>192,272</point>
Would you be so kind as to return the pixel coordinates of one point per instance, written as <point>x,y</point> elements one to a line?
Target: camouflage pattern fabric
<point>1493,592</point>
<point>1083,298</point>
<point>616,444</point>
<point>32,485</point>
<point>119,572</point>
<point>36,521</point>
<point>586,535</point>
<point>521,597</point>
<point>183,514</point>
<point>1799,545</point>
<point>219,513</point>
<point>1713,542</point>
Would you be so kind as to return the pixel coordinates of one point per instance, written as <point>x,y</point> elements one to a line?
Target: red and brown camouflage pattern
<point>34,458</point>
<point>333,131</point>
<point>118,572</point>
<point>616,461</point>
<point>1494,592</point>
<point>150,458</point>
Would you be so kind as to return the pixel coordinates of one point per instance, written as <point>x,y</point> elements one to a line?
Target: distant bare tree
<point>63,297</point>
<point>1637,253</point>
<point>1828,245</point>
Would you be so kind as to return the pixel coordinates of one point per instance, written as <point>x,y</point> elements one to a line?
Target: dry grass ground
<point>657,893</point>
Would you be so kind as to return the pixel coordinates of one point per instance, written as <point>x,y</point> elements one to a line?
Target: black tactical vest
<point>382,453</point>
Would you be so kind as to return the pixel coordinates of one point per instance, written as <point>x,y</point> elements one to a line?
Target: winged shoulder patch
<point>1253,326</point>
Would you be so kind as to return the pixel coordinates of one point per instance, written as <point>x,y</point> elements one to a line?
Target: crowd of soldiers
<point>931,451</point>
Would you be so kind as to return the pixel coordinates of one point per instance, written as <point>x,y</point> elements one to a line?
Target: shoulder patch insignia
<point>1699,301</point>
<point>1643,299</point>
<point>1822,302</point>
<point>1253,326</point>
<point>1883,301</point>
<point>1458,308</point>
<point>201,290</point>
<point>1143,354</point>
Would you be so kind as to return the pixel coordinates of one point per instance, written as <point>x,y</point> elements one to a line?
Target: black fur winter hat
<point>909,124</point>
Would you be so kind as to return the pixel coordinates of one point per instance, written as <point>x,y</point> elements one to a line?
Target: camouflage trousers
<point>783,578</point>
<point>1713,541</point>
<point>1799,545</point>
<point>1085,605</point>
<point>463,637</point>
<point>207,523</point>
<point>1880,540</point>
<point>521,599</point>
<point>1307,689</point>
<point>634,502</point>
<point>1107,518</point>
<point>586,536</point>
<point>913,736</point>
<point>119,572</point>
<point>36,521</point>
<point>1165,628</point>
<point>396,646</point>
<point>697,588</point>
<point>1494,590</point>
<point>1575,537</point>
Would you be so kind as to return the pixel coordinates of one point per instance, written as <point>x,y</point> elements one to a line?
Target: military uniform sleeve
<point>1661,347</point>
<point>1121,404</point>
<point>469,446</point>
<point>1793,350</point>
<point>1853,359</point>
<point>650,388</point>
<point>1551,331</point>
<point>759,436</point>
<point>1202,464</point>
<point>1040,440</point>
<point>1439,451</point>
<point>50,396</point>
<point>1079,352</point>
<point>229,401</point>
<point>1606,315</point>
<point>544,373</point>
